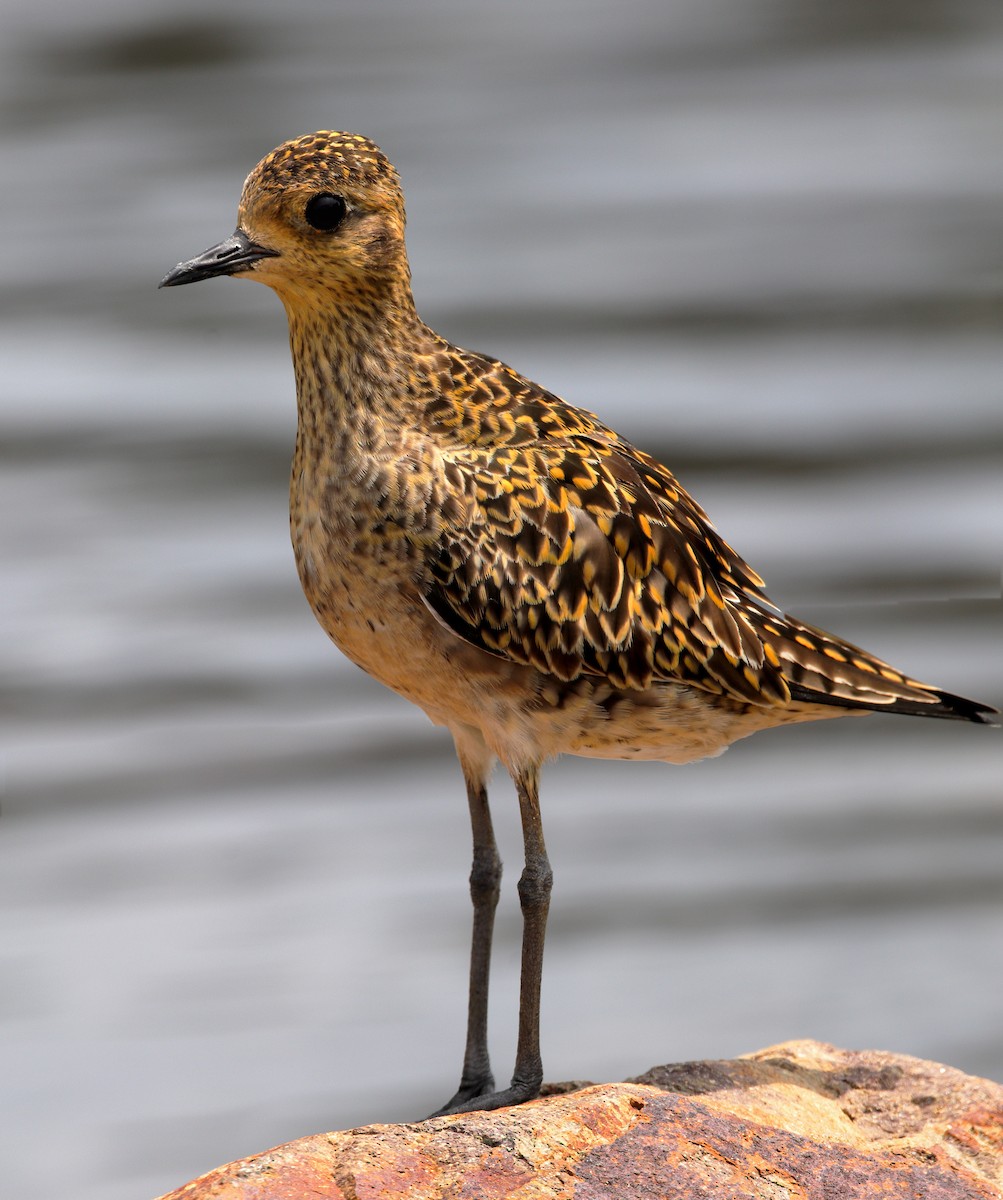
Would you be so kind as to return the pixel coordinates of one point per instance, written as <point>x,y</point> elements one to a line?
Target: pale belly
<point>374,614</point>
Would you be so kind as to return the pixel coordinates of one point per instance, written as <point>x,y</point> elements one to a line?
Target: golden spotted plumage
<point>503,559</point>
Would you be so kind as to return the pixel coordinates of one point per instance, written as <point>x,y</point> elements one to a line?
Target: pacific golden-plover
<point>507,562</point>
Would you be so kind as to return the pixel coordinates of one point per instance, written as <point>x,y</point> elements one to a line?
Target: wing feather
<point>580,555</point>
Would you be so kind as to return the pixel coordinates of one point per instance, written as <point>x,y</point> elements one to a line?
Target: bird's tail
<point>822,669</point>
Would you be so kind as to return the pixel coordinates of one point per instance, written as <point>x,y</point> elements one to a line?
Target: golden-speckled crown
<point>324,157</point>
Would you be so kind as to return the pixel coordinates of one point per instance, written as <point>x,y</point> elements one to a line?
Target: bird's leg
<point>534,897</point>
<point>485,884</point>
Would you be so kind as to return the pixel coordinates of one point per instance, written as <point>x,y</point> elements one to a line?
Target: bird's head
<point>322,214</point>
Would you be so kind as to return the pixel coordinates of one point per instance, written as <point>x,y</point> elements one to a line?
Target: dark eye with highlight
<point>326,211</point>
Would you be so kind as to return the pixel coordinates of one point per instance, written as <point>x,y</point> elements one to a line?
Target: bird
<point>504,560</point>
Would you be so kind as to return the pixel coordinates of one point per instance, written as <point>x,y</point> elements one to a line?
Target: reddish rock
<point>801,1121</point>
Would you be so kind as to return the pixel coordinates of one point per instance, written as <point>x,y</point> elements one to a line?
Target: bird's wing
<point>563,547</point>
<point>581,555</point>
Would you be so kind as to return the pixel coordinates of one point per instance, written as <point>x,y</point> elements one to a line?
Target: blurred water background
<point>761,237</point>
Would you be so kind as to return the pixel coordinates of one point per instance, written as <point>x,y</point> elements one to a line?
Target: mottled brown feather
<point>578,554</point>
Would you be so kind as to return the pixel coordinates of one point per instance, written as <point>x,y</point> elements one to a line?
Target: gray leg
<point>534,897</point>
<point>485,884</point>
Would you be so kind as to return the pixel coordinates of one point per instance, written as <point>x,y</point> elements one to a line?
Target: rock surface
<point>800,1121</point>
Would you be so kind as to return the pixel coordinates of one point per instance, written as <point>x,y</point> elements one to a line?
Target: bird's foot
<point>518,1092</point>
<point>469,1089</point>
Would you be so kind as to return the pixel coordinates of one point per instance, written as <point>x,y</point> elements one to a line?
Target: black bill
<point>236,254</point>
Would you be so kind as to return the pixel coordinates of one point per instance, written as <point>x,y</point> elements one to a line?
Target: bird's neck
<point>359,366</point>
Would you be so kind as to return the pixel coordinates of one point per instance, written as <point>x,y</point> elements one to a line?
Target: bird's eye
<point>326,211</point>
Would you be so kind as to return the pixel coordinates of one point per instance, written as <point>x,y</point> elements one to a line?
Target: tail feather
<point>944,705</point>
<point>822,669</point>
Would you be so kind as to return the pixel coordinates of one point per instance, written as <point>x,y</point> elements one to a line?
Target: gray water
<point>763,239</point>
